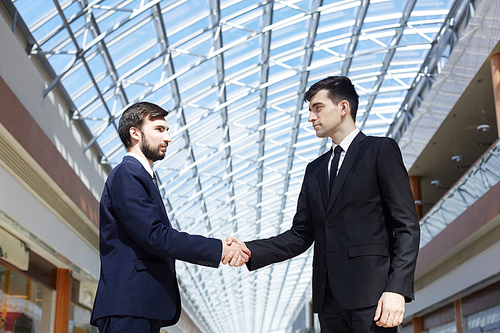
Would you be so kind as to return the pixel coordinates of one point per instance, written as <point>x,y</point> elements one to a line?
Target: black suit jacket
<point>366,230</point>
<point>138,248</point>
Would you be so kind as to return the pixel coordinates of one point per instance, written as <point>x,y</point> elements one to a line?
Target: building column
<point>495,75</point>
<point>29,299</point>
<point>417,324</point>
<point>458,315</point>
<point>417,194</point>
<point>63,299</point>
<point>5,291</point>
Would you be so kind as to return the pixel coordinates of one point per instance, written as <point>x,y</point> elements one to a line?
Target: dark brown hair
<point>134,117</point>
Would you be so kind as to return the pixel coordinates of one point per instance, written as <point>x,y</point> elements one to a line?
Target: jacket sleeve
<point>288,244</point>
<point>400,215</point>
<point>139,215</point>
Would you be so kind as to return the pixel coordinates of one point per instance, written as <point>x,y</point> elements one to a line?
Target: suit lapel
<point>323,179</point>
<point>135,161</point>
<point>345,169</point>
<point>159,197</point>
<point>157,190</point>
<point>152,184</point>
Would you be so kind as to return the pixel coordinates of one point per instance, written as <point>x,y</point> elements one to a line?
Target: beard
<point>151,153</point>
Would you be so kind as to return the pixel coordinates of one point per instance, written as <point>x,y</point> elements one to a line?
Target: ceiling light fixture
<point>483,128</point>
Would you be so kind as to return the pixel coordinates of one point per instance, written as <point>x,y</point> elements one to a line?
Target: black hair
<point>339,88</point>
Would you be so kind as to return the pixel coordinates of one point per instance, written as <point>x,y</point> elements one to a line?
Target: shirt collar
<point>143,161</point>
<point>347,140</point>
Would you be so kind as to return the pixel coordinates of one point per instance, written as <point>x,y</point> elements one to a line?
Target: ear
<point>344,108</point>
<point>135,134</point>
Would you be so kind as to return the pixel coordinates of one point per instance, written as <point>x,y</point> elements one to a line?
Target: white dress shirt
<point>143,161</point>
<point>344,145</point>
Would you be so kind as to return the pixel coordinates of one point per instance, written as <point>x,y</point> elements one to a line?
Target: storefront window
<point>446,328</point>
<point>79,319</point>
<point>24,304</point>
<point>487,321</point>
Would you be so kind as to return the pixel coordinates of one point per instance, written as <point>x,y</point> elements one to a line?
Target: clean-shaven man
<point>357,207</point>
<point>137,289</point>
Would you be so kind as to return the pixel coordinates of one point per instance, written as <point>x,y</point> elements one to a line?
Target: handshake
<point>234,252</point>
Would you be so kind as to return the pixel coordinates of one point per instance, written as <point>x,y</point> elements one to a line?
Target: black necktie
<point>335,165</point>
<point>155,180</point>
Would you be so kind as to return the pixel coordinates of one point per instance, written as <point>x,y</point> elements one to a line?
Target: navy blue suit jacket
<point>365,231</point>
<point>138,248</point>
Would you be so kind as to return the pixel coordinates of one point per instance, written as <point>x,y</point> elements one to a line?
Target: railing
<point>481,177</point>
<point>453,27</point>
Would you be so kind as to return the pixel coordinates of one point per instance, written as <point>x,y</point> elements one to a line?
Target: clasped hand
<point>235,252</point>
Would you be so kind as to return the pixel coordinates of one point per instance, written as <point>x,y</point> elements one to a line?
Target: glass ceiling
<point>232,74</point>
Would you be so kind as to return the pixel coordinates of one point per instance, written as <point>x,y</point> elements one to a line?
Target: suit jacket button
<point>328,226</point>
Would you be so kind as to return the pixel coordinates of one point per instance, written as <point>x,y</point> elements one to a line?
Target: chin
<point>159,157</point>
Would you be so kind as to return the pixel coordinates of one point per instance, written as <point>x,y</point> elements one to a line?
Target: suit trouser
<point>333,318</point>
<point>124,324</point>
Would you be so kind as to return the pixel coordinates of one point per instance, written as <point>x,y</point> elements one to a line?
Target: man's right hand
<point>390,310</point>
<point>235,252</point>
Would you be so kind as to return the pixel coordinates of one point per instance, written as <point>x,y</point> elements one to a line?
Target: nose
<point>167,137</point>
<point>311,117</point>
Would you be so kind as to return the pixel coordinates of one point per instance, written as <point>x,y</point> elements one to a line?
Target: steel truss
<point>232,75</point>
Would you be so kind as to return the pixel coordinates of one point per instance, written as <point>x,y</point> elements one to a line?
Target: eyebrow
<point>162,126</point>
<point>315,104</point>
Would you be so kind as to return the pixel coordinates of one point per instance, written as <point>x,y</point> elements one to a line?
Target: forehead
<point>157,121</point>
<point>320,97</point>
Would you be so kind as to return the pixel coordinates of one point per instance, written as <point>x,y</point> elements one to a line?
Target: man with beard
<point>137,289</point>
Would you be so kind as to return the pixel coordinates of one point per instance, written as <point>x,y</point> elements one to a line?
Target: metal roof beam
<point>108,62</point>
<point>93,140</point>
<point>219,60</point>
<point>169,66</point>
<point>25,31</point>
<point>363,9</point>
<point>461,11</point>
<point>162,35</point>
<point>393,45</point>
<point>313,28</point>
<point>264,76</point>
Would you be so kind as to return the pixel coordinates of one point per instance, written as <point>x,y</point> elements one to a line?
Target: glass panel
<point>446,328</point>
<point>25,303</point>
<point>484,321</point>
<point>233,80</point>
<point>79,319</point>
